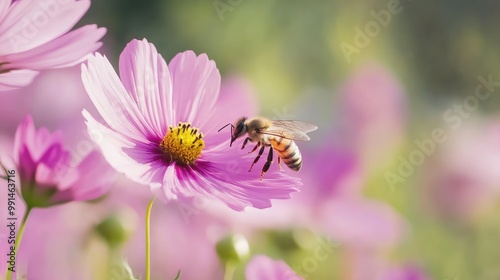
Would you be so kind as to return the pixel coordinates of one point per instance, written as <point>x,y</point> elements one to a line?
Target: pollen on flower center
<point>183,143</point>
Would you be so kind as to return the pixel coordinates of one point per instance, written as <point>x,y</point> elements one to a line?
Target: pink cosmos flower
<point>34,36</point>
<point>362,264</point>
<point>372,113</point>
<point>47,174</point>
<point>361,222</point>
<point>462,180</point>
<point>162,123</point>
<point>264,268</point>
<point>407,272</point>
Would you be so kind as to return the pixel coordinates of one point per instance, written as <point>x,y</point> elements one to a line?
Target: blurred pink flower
<point>372,113</point>
<point>333,173</point>
<point>463,178</point>
<point>46,171</point>
<point>362,264</point>
<point>264,268</point>
<point>408,272</point>
<point>34,36</point>
<point>362,223</point>
<point>145,139</point>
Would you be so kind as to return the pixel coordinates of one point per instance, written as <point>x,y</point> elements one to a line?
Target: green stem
<point>148,239</point>
<point>113,260</point>
<point>6,176</point>
<point>18,240</point>
<point>229,271</point>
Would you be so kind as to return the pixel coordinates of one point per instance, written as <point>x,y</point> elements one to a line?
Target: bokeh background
<point>381,199</point>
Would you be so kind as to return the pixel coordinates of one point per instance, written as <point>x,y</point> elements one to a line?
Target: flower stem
<point>6,176</point>
<point>148,239</point>
<point>18,240</point>
<point>229,271</point>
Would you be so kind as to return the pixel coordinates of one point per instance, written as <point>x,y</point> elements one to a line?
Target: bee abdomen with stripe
<point>289,152</point>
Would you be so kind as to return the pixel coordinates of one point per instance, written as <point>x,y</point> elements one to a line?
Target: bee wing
<point>298,126</point>
<point>293,130</point>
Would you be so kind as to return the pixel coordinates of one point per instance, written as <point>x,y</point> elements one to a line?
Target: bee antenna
<point>232,126</point>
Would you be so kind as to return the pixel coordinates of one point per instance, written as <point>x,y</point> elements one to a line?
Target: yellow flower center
<point>183,143</point>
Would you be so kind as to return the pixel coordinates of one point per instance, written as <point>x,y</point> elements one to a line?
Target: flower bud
<point>233,248</point>
<point>116,228</point>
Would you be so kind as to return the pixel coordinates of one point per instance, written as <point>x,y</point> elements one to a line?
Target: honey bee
<point>278,135</point>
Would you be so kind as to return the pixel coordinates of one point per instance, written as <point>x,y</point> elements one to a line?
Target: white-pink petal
<point>112,101</point>
<point>145,75</point>
<point>16,79</point>
<point>115,148</point>
<point>196,83</point>
<point>226,180</point>
<point>65,51</point>
<point>31,23</point>
<point>94,178</point>
<point>4,5</point>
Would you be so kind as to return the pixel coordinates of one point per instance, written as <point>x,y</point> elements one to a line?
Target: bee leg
<point>279,163</point>
<point>255,148</point>
<point>268,163</point>
<point>245,143</point>
<point>261,151</point>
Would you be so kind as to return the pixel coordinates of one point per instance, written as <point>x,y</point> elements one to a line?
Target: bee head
<point>240,128</point>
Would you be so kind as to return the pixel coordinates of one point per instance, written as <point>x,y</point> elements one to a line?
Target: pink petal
<point>224,175</point>
<point>196,83</point>
<point>170,183</point>
<point>25,162</point>
<point>116,149</point>
<point>22,156</point>
<point>16,79</point>
<point>113,102</point>
<point>25,130</point>
<point>43,140</point>
<point>95,179</point>
<point>67,50</point>
<point>32,23</point>
<point>264,268</point>
<point>36,143</point>
<point>4,5</point>
<point>145,75</point>
<point>38,154</point>
<point>49,165</point>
